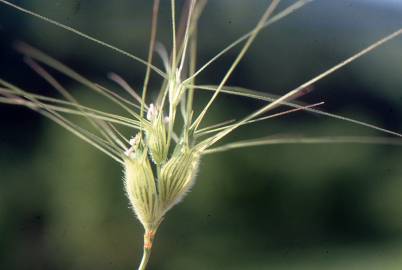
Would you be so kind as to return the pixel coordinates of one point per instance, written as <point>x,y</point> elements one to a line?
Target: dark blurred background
<point>62,204</point>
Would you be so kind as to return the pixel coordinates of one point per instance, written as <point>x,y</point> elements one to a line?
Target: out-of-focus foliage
<point>277,207</point>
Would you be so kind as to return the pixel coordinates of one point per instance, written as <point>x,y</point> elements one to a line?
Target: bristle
<point>274,140</point>
<point>154,27</point>
<point>123,84</point>
<point>213,130</point>
<point>264,18</point>
<point>79,33</point>
<point>279,16</point>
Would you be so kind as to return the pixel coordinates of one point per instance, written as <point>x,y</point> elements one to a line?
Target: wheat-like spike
<point>158,176</point>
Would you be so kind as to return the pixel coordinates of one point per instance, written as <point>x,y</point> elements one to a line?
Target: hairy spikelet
<point>178,175</point>
<point>141,189</point>
<point>155,133</point>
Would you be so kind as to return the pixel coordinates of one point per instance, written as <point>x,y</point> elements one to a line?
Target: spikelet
<point>155,133</point>
<point>141,189</point>
<point>177,176</point>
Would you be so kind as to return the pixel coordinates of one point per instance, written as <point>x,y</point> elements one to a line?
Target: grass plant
<point>168,141</point>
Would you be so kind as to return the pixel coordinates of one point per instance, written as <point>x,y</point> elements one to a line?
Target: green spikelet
<point>141,189</point>
<point>156,138</point>
<point>177,176</point>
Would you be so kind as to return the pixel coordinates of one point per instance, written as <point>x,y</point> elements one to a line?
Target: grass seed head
<point>160,166</point>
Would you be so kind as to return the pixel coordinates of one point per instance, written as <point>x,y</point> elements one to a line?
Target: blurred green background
<point>62,204</point>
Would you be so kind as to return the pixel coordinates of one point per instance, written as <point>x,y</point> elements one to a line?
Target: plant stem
<point>145,259</point>
<point>148,240</point>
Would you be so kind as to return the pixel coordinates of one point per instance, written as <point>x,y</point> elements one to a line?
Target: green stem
<point>145,259</point>
<point>148,240</point>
